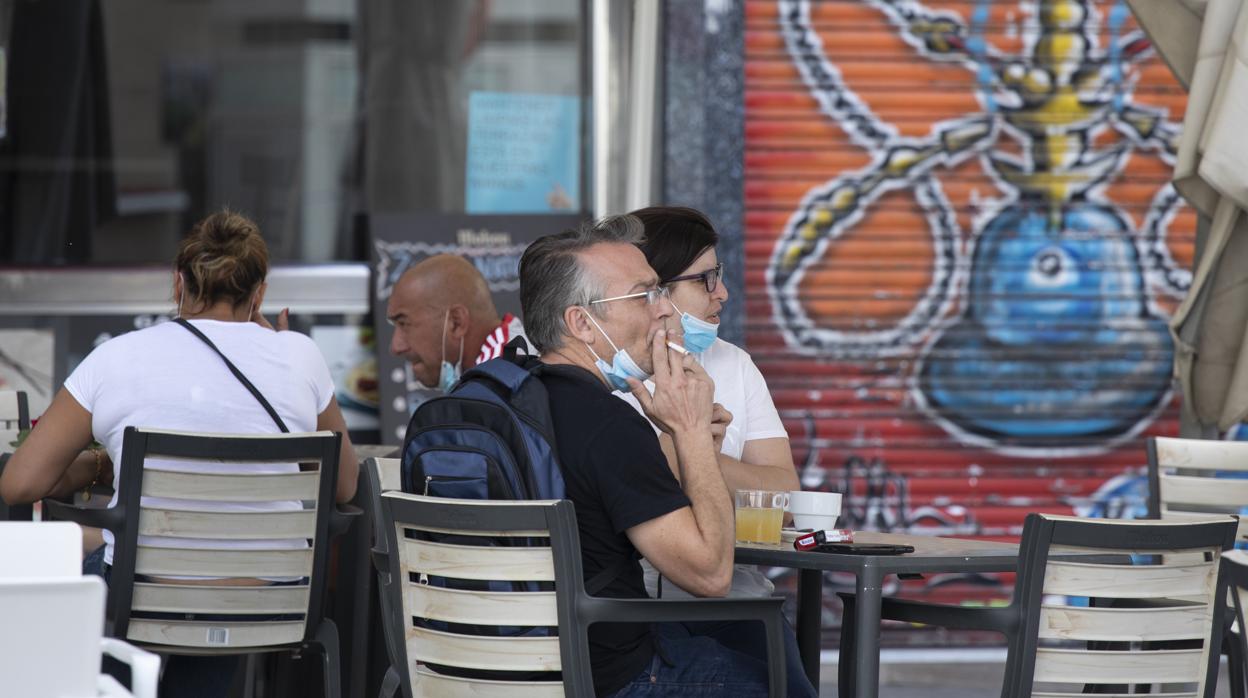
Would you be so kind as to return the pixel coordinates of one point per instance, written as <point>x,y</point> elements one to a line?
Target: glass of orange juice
<point>760,514</point>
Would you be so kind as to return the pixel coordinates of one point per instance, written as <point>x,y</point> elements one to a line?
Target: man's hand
<point>681,403</point>
<point>283,320</point>
<point>691,546</point>
<point>720,419</point>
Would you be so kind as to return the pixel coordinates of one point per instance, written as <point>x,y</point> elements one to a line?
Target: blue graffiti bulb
<point>1056,320</point>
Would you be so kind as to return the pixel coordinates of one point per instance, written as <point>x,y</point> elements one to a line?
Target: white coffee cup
<point>814,510</point>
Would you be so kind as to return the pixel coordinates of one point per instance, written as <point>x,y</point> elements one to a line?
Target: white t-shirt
<point>164,377</point>
<point>742,390</point>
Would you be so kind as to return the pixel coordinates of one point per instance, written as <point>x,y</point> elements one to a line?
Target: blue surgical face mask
<point>699,334</point>
<point>622,365</point>
<point>449,375</point>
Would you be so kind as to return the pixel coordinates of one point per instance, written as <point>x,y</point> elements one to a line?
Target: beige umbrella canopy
<point>1205,43</point>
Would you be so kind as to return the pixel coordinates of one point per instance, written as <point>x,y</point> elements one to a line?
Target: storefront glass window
<point>125,121</point>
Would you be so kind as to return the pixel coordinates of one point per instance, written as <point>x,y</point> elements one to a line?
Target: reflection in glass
<point>299,114</point>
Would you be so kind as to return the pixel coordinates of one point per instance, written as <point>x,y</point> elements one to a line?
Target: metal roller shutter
<point>961,254</point>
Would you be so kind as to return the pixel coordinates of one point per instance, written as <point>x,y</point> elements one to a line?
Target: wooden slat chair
<point>1172,566</point>
<point>14,416</point>
<point>222,619</point>
<point>381,475</point>
<point>401,559</point>
<point>1193,478</point>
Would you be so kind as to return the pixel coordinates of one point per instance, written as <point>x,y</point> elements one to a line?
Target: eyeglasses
<point>652,296</point>
<point>710,278</point>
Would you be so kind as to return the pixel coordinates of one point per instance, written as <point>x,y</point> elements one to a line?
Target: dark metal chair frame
<point>123,520</point>
<point>577,610</point>
<point>23,410</point>
<point>19,512</point>
<point>1020,620</point>
<point>1235,644</point>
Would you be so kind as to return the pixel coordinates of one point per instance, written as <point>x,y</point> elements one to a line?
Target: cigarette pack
<point>807,541</point>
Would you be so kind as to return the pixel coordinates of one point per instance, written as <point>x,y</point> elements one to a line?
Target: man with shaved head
<point>442,311</point>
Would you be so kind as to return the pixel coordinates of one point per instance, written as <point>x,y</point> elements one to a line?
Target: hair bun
<point>227,228</point>
<point>224,258</point>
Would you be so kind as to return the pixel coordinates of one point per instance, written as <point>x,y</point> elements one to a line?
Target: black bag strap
<point>518,345</point>
<point>605,576</point>
<point>237,374</point>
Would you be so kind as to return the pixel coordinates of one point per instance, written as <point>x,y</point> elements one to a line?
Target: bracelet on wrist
<point>99,467</point>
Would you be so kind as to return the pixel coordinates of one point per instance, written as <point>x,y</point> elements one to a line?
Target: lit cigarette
<point>677,348</point>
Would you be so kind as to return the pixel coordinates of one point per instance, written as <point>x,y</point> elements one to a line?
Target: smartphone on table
<point>864,548</point>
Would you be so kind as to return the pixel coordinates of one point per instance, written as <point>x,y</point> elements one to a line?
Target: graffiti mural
<point>962,251</point>
<point>1054,310</point>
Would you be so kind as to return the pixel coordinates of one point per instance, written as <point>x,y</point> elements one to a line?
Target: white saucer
<point>788,535</point>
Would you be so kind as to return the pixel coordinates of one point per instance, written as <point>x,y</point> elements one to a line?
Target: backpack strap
<point>501,371</point>
<point>609,574</point>
<point>237,374</point>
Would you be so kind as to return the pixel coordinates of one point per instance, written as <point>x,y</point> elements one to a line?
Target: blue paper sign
<point>524,153</point>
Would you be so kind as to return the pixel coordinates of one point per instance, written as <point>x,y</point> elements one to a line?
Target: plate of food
<point>360,386</point>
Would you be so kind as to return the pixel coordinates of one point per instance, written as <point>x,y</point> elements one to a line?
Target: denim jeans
<point>700,666</point>
<point>184,676</point>
<point>748,637</point>
<point>94,564</point>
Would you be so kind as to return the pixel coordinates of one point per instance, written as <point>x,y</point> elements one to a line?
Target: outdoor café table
<point>931,554</point>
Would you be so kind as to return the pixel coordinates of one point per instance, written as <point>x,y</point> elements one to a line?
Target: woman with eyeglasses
<point>680,247</point>
<point>754,450</point>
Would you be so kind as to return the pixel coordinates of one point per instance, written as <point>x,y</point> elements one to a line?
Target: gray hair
<point>552,278</point>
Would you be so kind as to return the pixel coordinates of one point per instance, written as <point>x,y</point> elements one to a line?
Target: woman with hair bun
<point>167,377</point>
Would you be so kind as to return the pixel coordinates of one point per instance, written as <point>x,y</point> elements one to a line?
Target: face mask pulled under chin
<point>449,374</point>
<point>699,334</point>
<point>622,365</point>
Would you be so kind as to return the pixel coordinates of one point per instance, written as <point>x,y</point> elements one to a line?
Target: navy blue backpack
<point>490,437</point>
